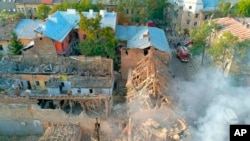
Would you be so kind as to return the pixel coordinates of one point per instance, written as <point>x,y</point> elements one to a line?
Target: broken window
<point>37,83</point>
<point>196,15</point>
<point>29,85</point>
<point>1,47</point>
<point>195,23</point>
<point>79,90</point>
<point>206,17</point>
<point>91,91</point>
<point>190,7</point>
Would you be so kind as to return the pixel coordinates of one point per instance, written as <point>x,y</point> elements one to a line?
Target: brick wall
<point>130,60</point>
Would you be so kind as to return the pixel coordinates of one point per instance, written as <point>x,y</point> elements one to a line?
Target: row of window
<point>22,9</point>
<point>188,23</point>
<point>190,14</point>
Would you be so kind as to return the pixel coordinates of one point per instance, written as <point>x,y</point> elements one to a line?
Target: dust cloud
<point>210,104</point>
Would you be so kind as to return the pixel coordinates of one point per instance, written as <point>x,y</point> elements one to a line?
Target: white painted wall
<point>67,85</point>
<point>85,91</point>
<point>107,91</point>
<point>197,5</point>
<point>53,91</point>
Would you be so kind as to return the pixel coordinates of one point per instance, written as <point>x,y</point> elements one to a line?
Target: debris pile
<point>62,132</point>
<point>149,102</point>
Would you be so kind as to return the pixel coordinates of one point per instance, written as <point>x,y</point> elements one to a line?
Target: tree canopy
<point>15,45</point>
<point>43,11</point>
<point>143,10</point>
<point>242,8</point>
<point>224,9</point>
<point>99,41</point>
<point>4,15</point>
<point>201,35</point>
<point>83,5</point>
<point>223,47</point>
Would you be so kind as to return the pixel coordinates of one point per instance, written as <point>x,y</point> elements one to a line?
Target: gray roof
<point>6,28</point>
<point>7,6</point>
<point>143,37</point>
<point>28,1</point>
<point>89,82</point>
<point>52,64</point>
<point>127,32</point>
<point>27,127</point>
<point>25,28</point>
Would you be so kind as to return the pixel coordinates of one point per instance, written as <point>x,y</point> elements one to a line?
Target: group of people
<point>174,38</point>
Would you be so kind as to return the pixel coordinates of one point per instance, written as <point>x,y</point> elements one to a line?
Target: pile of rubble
<point>62,132</point>
<point>159,125</point>
<point>150,104</point>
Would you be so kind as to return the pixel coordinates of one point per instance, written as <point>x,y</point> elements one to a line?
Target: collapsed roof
<point>51,64</point>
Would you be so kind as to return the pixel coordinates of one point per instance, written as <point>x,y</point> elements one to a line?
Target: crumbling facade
<point>74,84</point>
<point>149,102</point>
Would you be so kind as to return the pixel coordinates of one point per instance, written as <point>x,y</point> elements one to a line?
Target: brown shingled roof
<point>235,27</point>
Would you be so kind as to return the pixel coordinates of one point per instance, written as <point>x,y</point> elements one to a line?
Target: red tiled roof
<point>235,27</point>
<point>47,1</point>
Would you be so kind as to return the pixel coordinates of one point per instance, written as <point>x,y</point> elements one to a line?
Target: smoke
<point>210,104</point>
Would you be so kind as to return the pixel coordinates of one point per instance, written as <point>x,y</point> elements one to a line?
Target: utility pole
<point>97,130</point>
<point>203,53</point>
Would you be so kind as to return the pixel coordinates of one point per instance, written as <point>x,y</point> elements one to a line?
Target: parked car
<point>183,54</point>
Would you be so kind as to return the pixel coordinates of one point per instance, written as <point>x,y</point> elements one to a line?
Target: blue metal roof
<point>25,28</point>
<point>55,27</point>
<point>126,32</point>
<point>210,3</point>
<point>58,25</point>
<point>135,36</point>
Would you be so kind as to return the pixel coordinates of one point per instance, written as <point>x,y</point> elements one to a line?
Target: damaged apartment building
<point>59,82</point>
<point>145,56</point>
<point>150,108</point>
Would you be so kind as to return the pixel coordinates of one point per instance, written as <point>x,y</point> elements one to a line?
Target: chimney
<point>91,12</point>
<point>103,13</point>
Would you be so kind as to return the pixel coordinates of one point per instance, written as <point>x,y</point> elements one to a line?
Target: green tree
<point>15,45</point>
<point>156,9</point>
<point>240,54</point>
<point>99,41</point>
<point>223,9</point>
<point>140,11</point>
<point>43,11</point>
<point>83,5</point>
<point>200,36</point>
<point>223,47</point>
<point>242,8</point>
